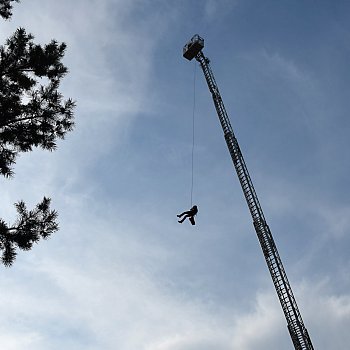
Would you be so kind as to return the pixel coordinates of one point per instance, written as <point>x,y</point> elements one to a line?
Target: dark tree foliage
<point>6,7</point>
<point>29,227</point>
<point>32,114</point>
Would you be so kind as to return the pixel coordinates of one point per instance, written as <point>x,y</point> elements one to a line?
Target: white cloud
<point>326,316</point>
<point>337,221</point>
<point>262,327</point>
<point>18,340</point>
<point>122,305</point>
<point>115,307</point>
<point>214,9</point>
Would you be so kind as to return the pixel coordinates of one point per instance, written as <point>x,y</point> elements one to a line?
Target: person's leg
<point>182,214</point>
<point>184,218</point>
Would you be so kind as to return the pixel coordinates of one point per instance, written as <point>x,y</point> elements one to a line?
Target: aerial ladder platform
<point>297,330</point>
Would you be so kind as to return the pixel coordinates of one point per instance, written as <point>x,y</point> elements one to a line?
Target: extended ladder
<point>297,330</point>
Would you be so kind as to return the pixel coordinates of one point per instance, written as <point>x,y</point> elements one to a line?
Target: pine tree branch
<point>5,8</point>
<point>30,226</point>
<point>13,121</point>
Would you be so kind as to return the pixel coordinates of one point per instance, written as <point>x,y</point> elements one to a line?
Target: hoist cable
<point>193,127</point>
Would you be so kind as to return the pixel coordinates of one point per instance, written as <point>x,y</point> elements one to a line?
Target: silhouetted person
<point>190,214</point>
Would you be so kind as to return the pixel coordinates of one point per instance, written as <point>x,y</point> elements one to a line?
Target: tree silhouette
<point>32,114</point>
<point>6,7</point>
<point>29,227</point>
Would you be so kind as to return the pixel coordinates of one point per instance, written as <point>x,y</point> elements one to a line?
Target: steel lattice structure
<point>298,332</point>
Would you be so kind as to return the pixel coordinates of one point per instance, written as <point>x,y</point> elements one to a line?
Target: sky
<point>121,273</point>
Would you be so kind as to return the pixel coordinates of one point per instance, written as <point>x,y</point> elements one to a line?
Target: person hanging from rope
<point>190,214</point>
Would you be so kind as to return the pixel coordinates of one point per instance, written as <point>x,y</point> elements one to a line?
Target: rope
<point>193,124</point>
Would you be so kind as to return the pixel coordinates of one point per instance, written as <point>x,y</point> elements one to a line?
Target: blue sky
<point>122,273</point>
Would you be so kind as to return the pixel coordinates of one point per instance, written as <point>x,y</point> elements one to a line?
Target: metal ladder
<point>297,330</point>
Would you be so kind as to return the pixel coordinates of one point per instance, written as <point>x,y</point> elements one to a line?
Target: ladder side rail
<point>234,149</point>
<point>296,327</point>
<point>272,258</point>
<point>244,178</point>
<point>297,330</point>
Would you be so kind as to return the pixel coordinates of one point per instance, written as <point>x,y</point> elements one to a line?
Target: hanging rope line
<point>193,125</point>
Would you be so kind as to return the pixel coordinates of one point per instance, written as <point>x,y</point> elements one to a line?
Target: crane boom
<point>297,330</point>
